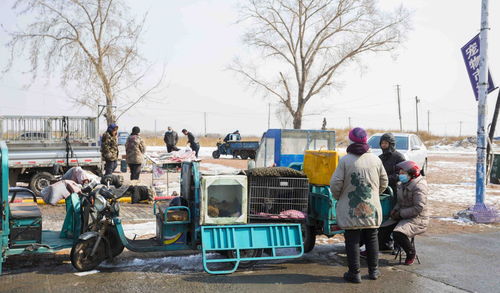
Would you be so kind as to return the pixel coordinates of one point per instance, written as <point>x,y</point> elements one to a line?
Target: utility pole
<point>416,108</point>
<point>269,116</point>
<point>155,127</point>
<point>399,109</point>
<point>460,131</point>
<point>428,121</point>
<point>480,212</point>
<point>349,122</point>
<point>205,119</point>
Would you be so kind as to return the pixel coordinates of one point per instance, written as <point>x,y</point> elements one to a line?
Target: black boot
<point>373,273</point>
<point>352,277</point>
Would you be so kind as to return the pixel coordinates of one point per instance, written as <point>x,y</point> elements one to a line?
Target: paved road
<point>450,263</point>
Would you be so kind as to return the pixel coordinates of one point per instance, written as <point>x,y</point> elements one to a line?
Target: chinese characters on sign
<point>470,52</point>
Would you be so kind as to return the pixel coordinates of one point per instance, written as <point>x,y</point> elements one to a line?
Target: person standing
<point>410,216</point>
<point>135,150</point>
<point>390,157</point>
<point>191,141</point>
<point>171,138</point>
<point>357,183</point>
<point>109,148</point>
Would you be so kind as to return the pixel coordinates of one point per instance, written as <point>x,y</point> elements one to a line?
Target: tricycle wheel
<point>80,254</point>
<point>252,155</point>
<point>246,253</point>
<point>114,241</point>
<point>244,155</point>
<point>216,154</point>
<point>308,237</point>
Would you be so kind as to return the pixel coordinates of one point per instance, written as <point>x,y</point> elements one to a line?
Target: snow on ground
<point>439,149</point>
<point>204,151</point>
<point>216,169</point>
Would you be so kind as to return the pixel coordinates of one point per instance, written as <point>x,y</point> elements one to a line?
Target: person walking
<point>410,216</point>
<point>191,141</point>
<point>109,149</point>
<point>171,138</point>
<point>135,150</point>
<point>357,183</point>
<point>390,157</point>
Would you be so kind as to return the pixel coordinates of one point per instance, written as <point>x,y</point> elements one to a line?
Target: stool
<point>399,251</point>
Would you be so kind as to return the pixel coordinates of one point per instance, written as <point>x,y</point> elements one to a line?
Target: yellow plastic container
<point>320,165</point>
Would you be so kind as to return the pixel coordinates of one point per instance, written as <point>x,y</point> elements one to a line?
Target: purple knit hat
<point>358,135</point>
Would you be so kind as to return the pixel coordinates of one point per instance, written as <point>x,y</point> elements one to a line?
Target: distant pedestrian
<point>410,216</point>
<point>171,138</point>
<point>390,157</point>
<point>135,150</point>
<point>191,141</point>
<point>357,183</point>
<point>109,149</point>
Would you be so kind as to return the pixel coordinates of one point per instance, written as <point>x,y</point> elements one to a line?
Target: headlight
<point>100,202</point>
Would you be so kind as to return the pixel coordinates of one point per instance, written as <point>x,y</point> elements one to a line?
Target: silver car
<point>408,144</point>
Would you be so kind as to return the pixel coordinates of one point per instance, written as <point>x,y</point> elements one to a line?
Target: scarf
<point>358,148</point>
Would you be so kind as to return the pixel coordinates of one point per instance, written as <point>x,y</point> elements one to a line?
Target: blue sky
<point>198,39</point>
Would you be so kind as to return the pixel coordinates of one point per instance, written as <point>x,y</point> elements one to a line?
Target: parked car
<point>409,144</point>
<point>122,137</point>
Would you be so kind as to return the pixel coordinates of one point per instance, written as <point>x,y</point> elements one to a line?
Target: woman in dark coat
<point>390,158</point>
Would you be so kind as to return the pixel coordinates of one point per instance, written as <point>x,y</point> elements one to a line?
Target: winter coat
<point>191,140</point>
<point>135,149</point>
<point>109,147</point>
<point>390,158</point>
<point>171,138</point>
<point>356,184</point>
<point>412,207</point>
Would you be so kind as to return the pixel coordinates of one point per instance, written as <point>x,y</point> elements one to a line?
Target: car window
<point>414,141</point>
<point>401,142</point>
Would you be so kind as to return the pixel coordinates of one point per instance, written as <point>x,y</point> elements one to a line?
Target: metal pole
<point>460,131</point>
<point>399,109</point>
<point>480,212</point>
<point>416,109</point>
<point>205,118</point>
<point>155,127</point>
<point>428,121</point>
<point>349,122</point>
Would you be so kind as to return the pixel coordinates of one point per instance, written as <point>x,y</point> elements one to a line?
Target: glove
<point>395,215</point>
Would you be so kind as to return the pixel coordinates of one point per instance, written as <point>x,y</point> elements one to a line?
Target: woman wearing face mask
<point>409,217</point>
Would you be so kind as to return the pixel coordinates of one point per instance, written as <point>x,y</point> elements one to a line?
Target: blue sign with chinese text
<point>470,52</point>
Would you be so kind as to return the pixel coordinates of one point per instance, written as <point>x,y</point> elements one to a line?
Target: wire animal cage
<point>278,197</point>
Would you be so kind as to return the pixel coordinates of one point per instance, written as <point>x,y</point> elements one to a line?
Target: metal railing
<point>47,129</point>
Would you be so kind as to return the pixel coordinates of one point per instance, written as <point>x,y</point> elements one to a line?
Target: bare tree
<point>93,44</point>
<point>306,42</point>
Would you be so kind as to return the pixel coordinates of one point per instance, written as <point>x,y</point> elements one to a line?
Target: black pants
<point>109,167</point>
<point>399,238</point>
<point>135,171</point>
<point>171,148</point>
<point>196,148</point>
<point>384,237</point>
<point>352,240</point>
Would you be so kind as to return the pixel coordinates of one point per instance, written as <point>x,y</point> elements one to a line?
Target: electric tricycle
<point>210,215</point>
<point>21,222</point>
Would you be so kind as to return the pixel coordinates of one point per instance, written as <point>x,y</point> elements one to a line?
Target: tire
<point>80,254</point>
<point>308,237</point>
<point>114,241</point>
<point>244,155</point>
<point>246,253</point>
<point>423,172</point>
<point>252,155</point>
<point>39,181</point>
<point>216,155</point>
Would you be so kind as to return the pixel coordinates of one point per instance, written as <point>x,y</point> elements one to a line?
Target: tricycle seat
<point>24,211</point>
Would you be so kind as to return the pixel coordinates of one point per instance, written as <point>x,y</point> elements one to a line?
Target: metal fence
<point>47,129</point>
<point>270,196</point>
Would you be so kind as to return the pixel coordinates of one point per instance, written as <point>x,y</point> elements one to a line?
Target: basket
<point>320,165</point>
